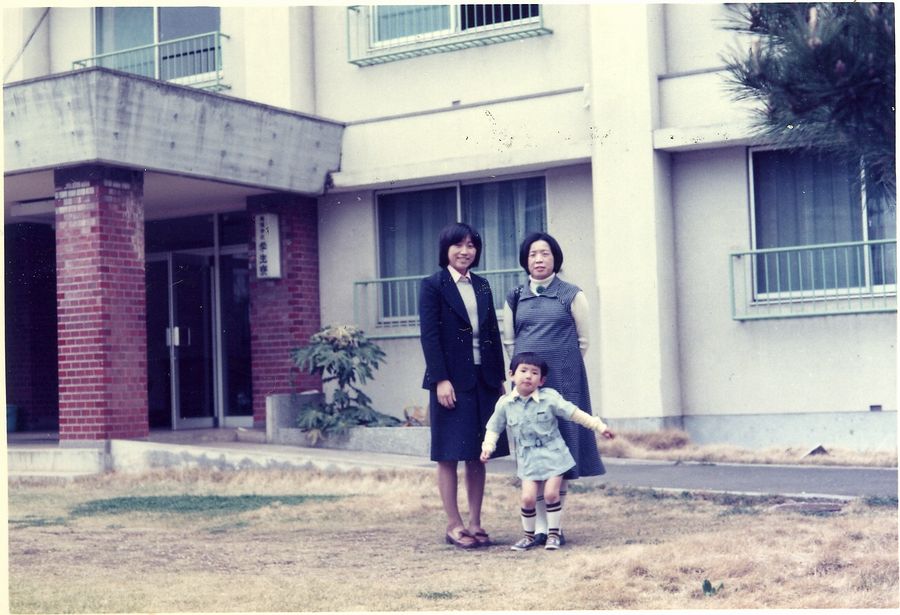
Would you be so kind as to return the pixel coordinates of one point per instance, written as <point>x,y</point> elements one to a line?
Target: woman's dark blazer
<point>447,333</point>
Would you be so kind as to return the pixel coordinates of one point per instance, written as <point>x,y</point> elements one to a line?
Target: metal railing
<point>384,33</point>
<point>389,307</point>
<point>193,60</point>
<point>837,278</point>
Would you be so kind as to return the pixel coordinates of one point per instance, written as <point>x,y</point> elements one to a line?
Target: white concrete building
<point>609,126</point>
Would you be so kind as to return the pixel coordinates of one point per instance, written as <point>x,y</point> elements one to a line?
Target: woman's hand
<point>446,395</point>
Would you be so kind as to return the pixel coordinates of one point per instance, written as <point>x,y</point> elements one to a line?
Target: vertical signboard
<point>268,246</point>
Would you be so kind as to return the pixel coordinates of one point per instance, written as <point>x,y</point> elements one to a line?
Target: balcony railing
<point>193,60</point>
<point>385,33</point>
<point>389,307</point>
<point>838,278</point>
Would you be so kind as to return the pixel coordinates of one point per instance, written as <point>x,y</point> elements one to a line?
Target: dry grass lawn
<point>675,445</point>
<point>204,540</point>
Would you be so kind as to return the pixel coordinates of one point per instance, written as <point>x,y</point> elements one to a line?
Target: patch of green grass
<point>436,595</point>
<point>191,504</point>
<point>223,529</point>
<point>876,500</point>
<point>739,510</point>
<point>32,521</point>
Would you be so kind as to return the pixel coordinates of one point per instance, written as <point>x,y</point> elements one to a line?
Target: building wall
<point>350,93</point>
<point>840,363</point>
<point>268,57</point>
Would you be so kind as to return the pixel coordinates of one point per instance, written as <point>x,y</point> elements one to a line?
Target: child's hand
<point>485,455</point>
<point>608,434</point>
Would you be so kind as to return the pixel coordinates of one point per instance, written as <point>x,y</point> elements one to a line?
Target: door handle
<point>175,334</point>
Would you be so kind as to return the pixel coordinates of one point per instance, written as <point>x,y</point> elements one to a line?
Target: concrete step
<point>53,460</point>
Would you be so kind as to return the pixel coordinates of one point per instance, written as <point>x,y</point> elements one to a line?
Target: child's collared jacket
<point>541,452</point>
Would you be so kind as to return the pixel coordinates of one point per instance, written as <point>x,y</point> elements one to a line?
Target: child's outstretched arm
<point>592,422</point>
<point>489,445</point>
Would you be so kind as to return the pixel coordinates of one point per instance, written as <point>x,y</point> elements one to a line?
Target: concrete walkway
<point>213,448</point>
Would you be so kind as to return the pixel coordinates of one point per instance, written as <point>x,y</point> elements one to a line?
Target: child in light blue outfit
<point>531,414</point>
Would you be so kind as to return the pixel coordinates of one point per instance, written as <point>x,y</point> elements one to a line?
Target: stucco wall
<point>821,364</point>
<point>514,68</point>
<point>695,36</point>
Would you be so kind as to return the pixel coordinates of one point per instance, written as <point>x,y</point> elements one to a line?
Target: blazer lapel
<point>452,296</point>
<point>481,297</point>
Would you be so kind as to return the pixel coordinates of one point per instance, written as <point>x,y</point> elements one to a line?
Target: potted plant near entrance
<point>344,358</point>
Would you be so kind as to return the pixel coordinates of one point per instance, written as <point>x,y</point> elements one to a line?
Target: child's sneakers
<point>553,542</point>
<point>529,542</point>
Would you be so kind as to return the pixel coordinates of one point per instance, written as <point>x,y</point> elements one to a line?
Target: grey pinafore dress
<point>544,324</point>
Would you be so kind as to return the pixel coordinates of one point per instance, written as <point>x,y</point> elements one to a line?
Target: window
<point>382,33</point>
<point>167,43</point>
<point>502,212</point>
<point>393,23</point>
<point>409,222</point>
<point>803,200</point>
<point>403,22</point>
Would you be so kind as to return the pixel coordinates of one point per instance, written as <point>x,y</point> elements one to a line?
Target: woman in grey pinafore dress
<point>538,317</point>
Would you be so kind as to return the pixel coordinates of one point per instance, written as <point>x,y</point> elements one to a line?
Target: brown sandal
<point>482,538</point>
<point>463,539</point>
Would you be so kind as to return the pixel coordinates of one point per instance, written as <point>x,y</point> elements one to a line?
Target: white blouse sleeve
<point>508,333</point>
<point>580,313</point>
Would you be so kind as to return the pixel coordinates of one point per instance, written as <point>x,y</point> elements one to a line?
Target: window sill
<point>386,52</point>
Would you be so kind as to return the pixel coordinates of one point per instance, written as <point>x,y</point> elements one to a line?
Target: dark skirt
<point>457,433</point>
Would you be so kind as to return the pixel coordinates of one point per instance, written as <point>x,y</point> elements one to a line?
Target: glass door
<point>191,340</point>
<point>180,357</point>
<point>234,340</point>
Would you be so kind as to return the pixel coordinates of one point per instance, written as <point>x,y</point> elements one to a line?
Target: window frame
<point>211,75</point>
<point>410,39</point>
<point>363,48</point>
<point>866,286</point>
<point>388,320</point>
<point>454,29</point>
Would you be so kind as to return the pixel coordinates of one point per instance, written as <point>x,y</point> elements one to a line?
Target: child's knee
<point>529,500</point>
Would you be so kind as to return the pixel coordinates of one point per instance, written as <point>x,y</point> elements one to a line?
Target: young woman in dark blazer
<point>464,374</point>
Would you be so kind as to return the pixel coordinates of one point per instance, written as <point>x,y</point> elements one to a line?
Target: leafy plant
<point>342,355</point>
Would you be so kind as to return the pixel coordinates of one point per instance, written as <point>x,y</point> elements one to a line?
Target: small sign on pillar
<point>268,246</point>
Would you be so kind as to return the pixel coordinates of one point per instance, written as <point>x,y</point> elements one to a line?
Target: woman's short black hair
<point>525,248</point>
<point>529,358</point>
<point>451,235</point>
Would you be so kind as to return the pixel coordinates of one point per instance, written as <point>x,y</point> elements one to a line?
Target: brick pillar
<point>101,309</point>
<point>284,312</point>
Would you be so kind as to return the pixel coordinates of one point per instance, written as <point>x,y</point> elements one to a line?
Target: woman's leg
<point>563,491</point>
<point>447,486</point>
<point>540,507</point>
<point>476,474</point>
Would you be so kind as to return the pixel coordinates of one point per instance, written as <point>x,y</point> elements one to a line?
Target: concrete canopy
<point>101,116</point>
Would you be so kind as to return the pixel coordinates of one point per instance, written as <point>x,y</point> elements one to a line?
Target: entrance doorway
<point>198,334</point>
<point>179,341</point>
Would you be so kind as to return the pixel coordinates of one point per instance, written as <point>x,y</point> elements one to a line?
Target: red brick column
<point>284,312</point>
<point>101,319</point>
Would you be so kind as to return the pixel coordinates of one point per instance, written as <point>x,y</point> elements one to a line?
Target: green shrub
<point>340,354</point>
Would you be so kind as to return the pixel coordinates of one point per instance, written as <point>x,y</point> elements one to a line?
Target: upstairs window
<point>383,33</point>
<point>170,43</point>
